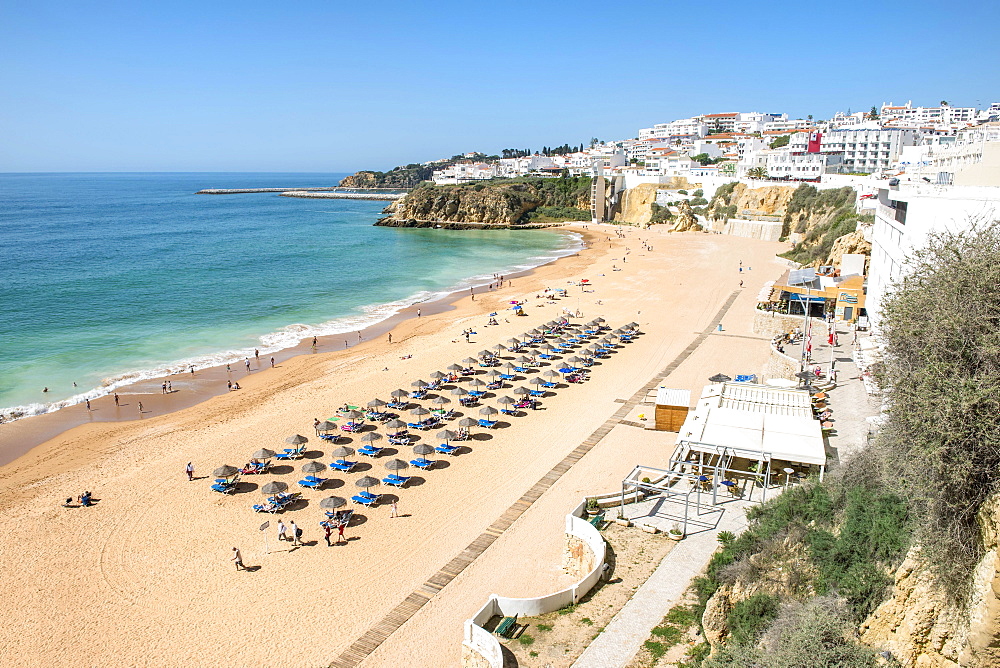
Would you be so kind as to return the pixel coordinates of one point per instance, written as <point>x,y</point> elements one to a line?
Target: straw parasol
<point>522,390</point>
<point>298,439</point>
<point>371,437</point>
<point>499,347</point>
<point>313,467</point>
<point>536,381</point>
<point>423,449</point>
<point>447,435</point>
<point>720,378</point>
<point>376,403</point>
<point>333,502</point>
<point>460,392</point>
<point>419,410</point>
<point>225,471</point>
<point>506,401</point>
<point>342,451</point>
<point>395,424</point>
<point>514,342</point>
<point>468,422</point>
<point>354,415</point>
<point>493,373</point>
<point>471,360</point>
<point>488,410</point>
<point>398,394</point>
<point>327,426</point>
<point>551,373</point>
<point>396,465</point>
<point>437,375</point>
<point>485,353</point>
<point>455,367</point>
<point>475,382</point>
<point>274,487</point>
<point>440,401</point>
<point>263,453</point>
<point>367,481</point>
<point>419,384</point>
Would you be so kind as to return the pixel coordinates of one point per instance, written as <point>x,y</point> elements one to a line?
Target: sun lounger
<point>370,451</point>
<point>311,482</point>
<point>446,449</point>
<point>422,463</point>
<point>363,500</point>
<point>419,394</point>
<point>266,508</point>
<point>343,465</point>
<point>290,453</point>
<point>488,424</point>
<point>399,440</point>
<point>745,378</point>
<point>508,411</point>
<point>224,488</point>
<point>395,480</point>
<point>476,393</point>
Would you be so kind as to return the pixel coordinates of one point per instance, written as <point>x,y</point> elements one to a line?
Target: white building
<point>787,124</point>
<point>869,151</point>
<point>914,117</point>
<point>792,166</point>
<point>464,172</point>
<point>907,214</point>
<point>755,121</point>
<point>681,127</point>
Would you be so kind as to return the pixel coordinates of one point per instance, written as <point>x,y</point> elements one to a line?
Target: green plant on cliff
<point>661,214</point>
<point>940,445</point>
<point>778,142</point>
<point>552,214</point>
<point>834,208</point>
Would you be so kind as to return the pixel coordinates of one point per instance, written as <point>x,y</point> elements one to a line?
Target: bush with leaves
<point>941,441</point>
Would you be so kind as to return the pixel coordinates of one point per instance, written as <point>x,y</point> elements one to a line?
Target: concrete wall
<point>748,229</point>
<point>481,649</point>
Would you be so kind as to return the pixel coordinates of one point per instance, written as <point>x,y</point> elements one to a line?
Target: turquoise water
<point>108,278</point>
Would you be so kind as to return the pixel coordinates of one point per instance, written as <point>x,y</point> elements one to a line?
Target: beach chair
<point>509,411</point>
<point>399,440</point>
<point>537,393</point>
<point>422,463</point>
<point>548,385</point>
<point>370,451</point>
<point>419,394</point>
<point>745,378</point>
<point>224,487</point>
<point>395,480</point>
<point>398,405</point>
<point>266,507</point>
<point>475,394</point>
<point>363,500</point>
<point>312,482</point>
<point>488,424</point>
<point>446,449</point>
<point>507,376</point>
<point>343,465</point>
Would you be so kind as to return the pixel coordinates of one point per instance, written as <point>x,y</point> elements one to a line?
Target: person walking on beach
<point>418,313</point>
<point>88,404</point>
<point>340,532</point>
<point>140,409</point>
<point>326,533</point>
<point>229,384</point>
<point>281,531</point>
<point>314,342</point>
<point>238,559</point>
<point>170,387</point>
<point>189,469</point>
<point>390,337</point>
<point>393,510</point>
<point>163,388</point>
<point>296,533</point>
<point>248,364</point>
<point>116,398</point>
<point>272,362</point>
<point>256,354</point>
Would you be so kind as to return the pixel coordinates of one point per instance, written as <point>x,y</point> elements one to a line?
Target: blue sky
<point>335,86</point>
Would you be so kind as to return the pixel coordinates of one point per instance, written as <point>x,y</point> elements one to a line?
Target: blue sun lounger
<point>312,482</point>
<point>446,449</point>
<point>395,480</point>
<point>366,498</point>
<point>370,451</point>
<point>422,463</point>
<point>343,465</point>
<point>290,453</point>
<point>488,424</point>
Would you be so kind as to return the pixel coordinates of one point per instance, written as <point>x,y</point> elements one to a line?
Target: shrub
<point>699,193</point>
<point>544,627</point>
<point>681,615</point>
<point>750,617</point>
<point>683,192</point>
<point>525,639</point>
<point>655,649</point>
<point>668,635</point>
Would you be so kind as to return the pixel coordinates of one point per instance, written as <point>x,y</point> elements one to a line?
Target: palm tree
<point>757,173</point>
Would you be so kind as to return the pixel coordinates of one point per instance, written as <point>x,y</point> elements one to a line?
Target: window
<point>899,211</point>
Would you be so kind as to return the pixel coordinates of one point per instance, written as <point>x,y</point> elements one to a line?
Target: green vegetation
<point>698,201</point>
<point>554,214</point>
<point>682,192</point>
<point>525,639</point>
<point>750,617</point>
<point>655,649</point>
<point>808,202</point>
<point>698,193</point>
<point>661,214</point>
<point>544,627</point>
<point>941,362</point>
<point>778,142</point>
<point>703,159</point>
<point>587,621</point>
<point>757,173</point>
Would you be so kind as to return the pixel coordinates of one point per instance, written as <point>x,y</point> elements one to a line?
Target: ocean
<point>110,278</point>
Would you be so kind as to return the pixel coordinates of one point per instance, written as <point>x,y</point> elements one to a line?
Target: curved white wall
<point>485,643</point>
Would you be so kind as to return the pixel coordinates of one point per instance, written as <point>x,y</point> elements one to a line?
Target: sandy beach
<point>144,577</point>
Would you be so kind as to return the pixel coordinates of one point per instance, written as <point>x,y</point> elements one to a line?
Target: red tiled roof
<point>720,115</point>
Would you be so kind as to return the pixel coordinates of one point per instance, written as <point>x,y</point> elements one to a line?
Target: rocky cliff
<point>400,177</point>
<point>497,204</point>
<point>744,201</point>
<point>635,207</point>
<point>685,220</point>
<point>923,630</point>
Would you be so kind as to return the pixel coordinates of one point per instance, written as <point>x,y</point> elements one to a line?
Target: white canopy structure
<point>756,422</point>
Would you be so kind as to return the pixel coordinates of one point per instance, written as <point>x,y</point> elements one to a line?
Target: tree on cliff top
<point>940,446</point>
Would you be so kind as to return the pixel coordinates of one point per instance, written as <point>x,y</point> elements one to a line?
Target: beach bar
<point>743,430</point>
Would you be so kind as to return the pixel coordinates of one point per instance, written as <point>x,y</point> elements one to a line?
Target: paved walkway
<point>623,637</point>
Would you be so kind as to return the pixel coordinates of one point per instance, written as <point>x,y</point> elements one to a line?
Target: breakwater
<point>384,196</point>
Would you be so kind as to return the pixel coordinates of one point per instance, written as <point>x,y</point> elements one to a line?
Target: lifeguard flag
<point>815,142</point>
